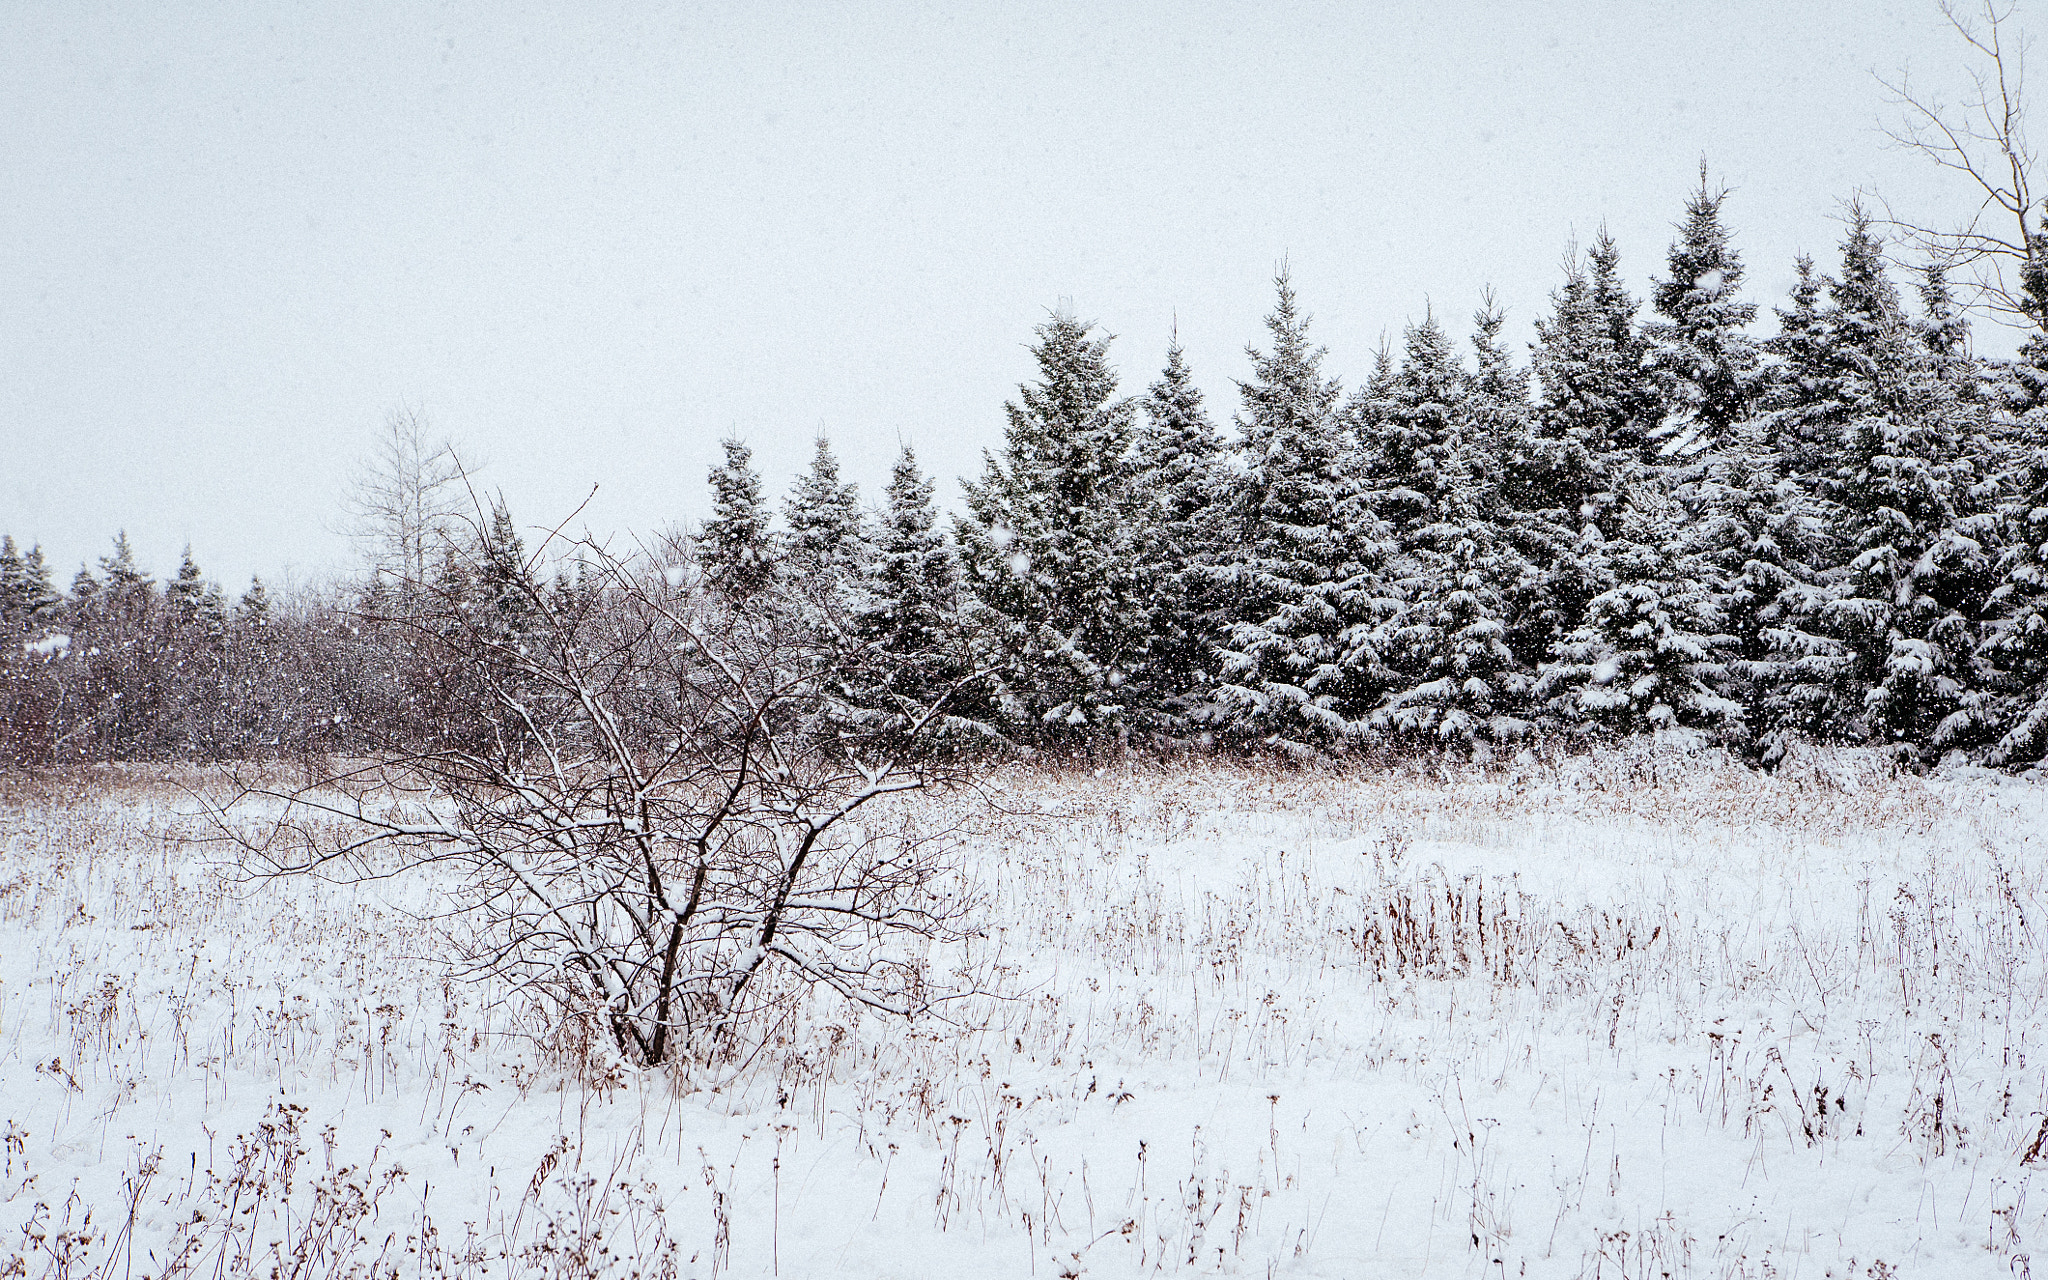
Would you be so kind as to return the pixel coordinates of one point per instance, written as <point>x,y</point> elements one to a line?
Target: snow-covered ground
<point>1633,1016</point>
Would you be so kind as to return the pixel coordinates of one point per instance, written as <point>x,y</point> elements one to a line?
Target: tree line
<point>1659,523</point>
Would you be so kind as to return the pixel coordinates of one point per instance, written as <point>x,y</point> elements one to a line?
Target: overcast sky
<point>589,240</point>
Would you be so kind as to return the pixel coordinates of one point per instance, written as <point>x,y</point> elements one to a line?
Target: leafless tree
<point>404,498</point>
<point>658,809</point>
<point>1997,252</point>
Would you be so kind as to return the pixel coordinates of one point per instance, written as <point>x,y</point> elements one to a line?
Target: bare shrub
<point>656,802</point>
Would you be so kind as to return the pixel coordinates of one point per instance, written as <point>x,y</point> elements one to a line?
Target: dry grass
<point>1621,1016</point>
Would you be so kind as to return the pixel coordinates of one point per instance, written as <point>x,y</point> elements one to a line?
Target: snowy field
<point>1632,1017</point>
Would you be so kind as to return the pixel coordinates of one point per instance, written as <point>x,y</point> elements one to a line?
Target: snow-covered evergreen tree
<point>1436,453</point>
<point>39,596</point>
<point>16,594</point>
<point>211,615</point>
<point>184,592</point>
<point>1650,656</point>
<point>1300,666</point>
<point>1700,353</point>
<point>1051,543</point>
<point>826,543</point>
<point>1888,430</point>
<point>910,619</point>
<point>253,610</point>
<point>1185,479</point>
<point>733,544</point>
<point>85,589</point>
<point>1589,436</point>
<point>505,598</point>
<point>124,576</point>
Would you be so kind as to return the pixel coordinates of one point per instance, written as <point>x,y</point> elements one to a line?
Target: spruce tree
<point>184,592</point>
<point>85,589</point>
<point>1598,407</point>
<point>14,589</point>
<point>1300,666</point>
<point>505,591</point>
<point>826,542</point>
<point>253,610</point>
<point>1185,481</point>
<point>39,595</point>
<point>1651,654</point>
<point>124,577</point>
<point>1457,568</point>
<point>1700,353</point>
<point>1589,437</point>
<point>909,618</point>
<point>1051,543</point>
<point>733,543</point>
<point>212,613</point>
<point>1890,432</point>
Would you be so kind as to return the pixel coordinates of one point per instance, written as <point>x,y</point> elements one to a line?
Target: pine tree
<point>827,542</point>
<point>1598,407</point>
<point>2014,644</point>
<point>1766,529</point>
<point>212,613</point>
<point>1589,437</point>
<point>1701,353</point>
<point>1300,665</point>
<point>1051,543</point>
<point>1410,437</point>
<point>39,596</point>
<point>1886,426</point>
<point>1650,656</point>
<point>1185,481</point>
<point>14,588</point>
<point>185,591</point>
<point>734,542</point>
<point>1460,681</point>
<point>506,595</point>
<point>909,617</point>
<point>85,589</point>
<point>123,576</point>
<point>253,610</point>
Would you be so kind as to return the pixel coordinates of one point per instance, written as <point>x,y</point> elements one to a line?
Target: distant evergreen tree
<point>1300,665</point>
<point>909,615</point>
<point>1701,353</point>
<point>85,589</point>
<point>505,593</point>
<point>827,542</point>
<point>15,592</point>
<point>1889,431</point>
<point>1051,543</point>
<point>184,592</point>
<point>1185,479</point>
<point>1436,454</point>
<point>253,610</point>
<point>1589,436</point>
<point>212,613</point>
<point>38,595</point>
<point>1650,655</point>
<point>124,577</point>
<point>734,543</point>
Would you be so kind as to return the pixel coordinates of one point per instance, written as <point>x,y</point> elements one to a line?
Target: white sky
<point>588,240</point>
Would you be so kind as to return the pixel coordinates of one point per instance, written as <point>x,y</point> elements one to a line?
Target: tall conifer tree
<point>1301,666</point>
<point>1051,543</point>
<point>733,543</point>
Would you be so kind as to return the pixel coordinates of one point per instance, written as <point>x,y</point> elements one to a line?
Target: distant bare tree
<point>652,801</point>
<point>1998,251</point>
<point>404,498</point>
